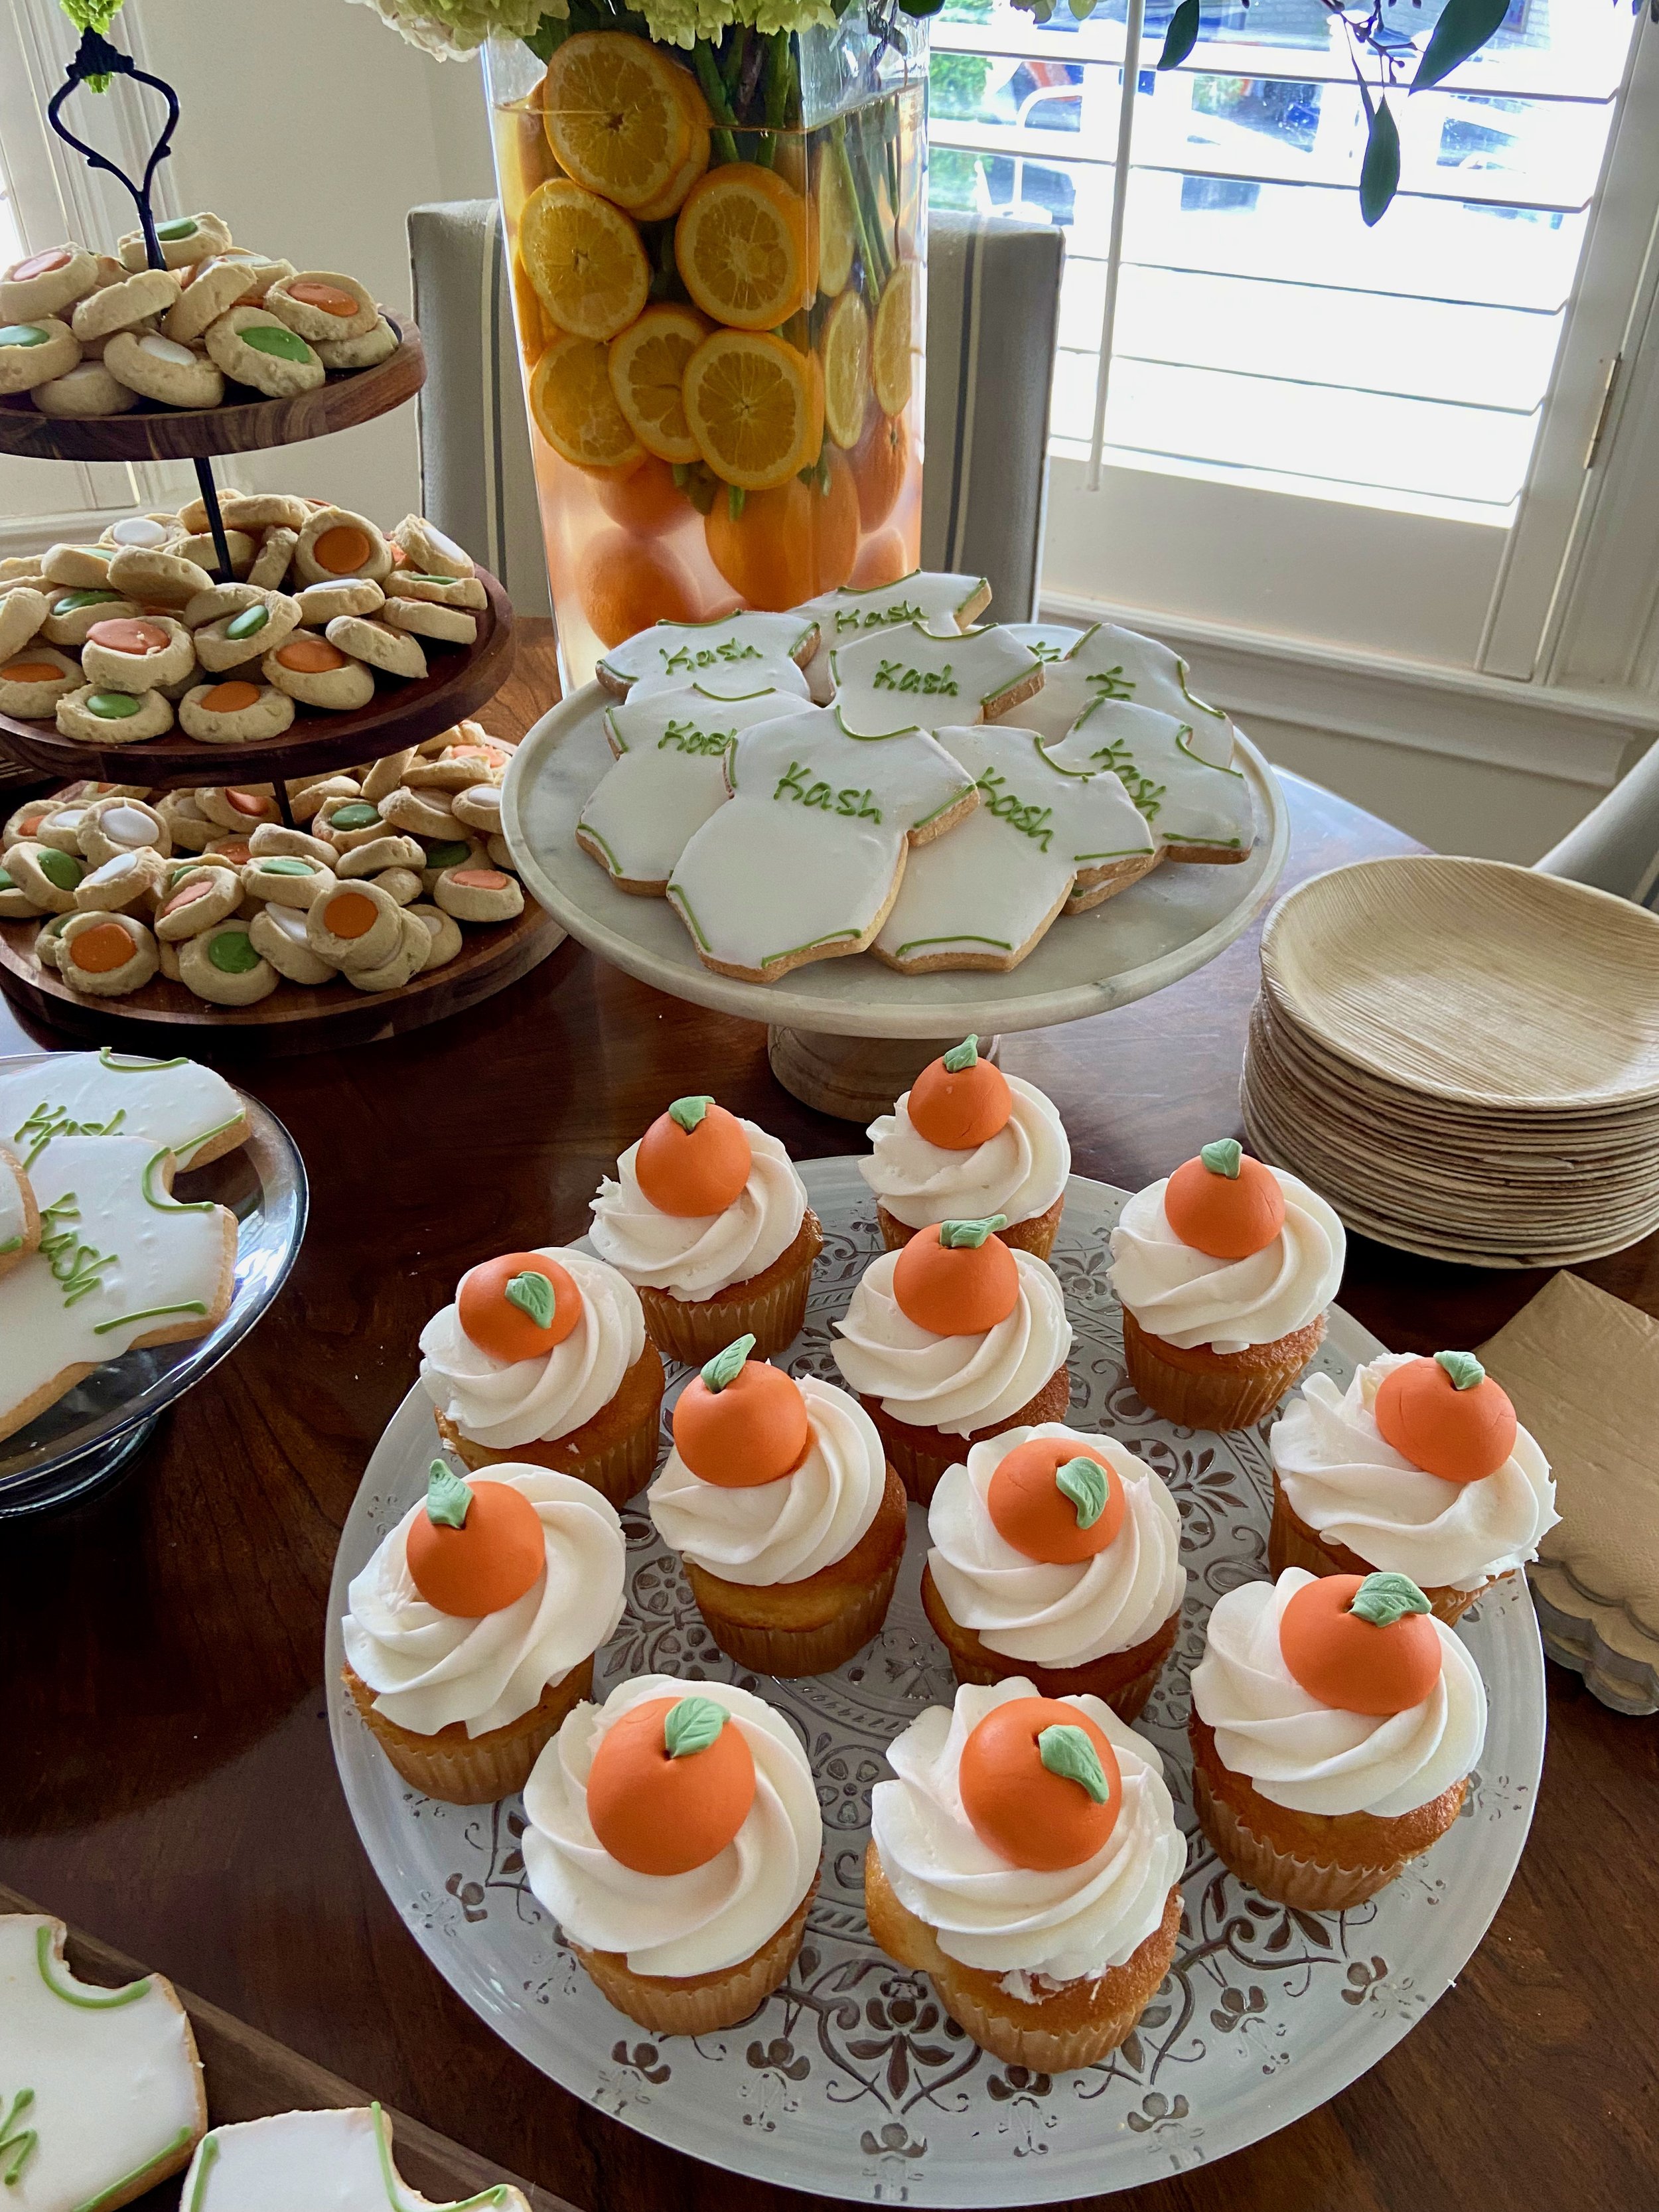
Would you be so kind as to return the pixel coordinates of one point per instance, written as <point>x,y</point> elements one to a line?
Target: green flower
<point>451,29</point>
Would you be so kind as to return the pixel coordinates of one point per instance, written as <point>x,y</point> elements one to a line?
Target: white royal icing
<point>13,1212</point>
<point>96,2085</point>
<point>334,2161</point>
<point>669,774</point>
<point>914,676</point>
<point>995,884</point>
<point>929,595</point>
<point>684,651</point>
<point>1178,773</point>
<point>773,672</point>
<point>118,1259</point>
<point>175,1102</point>
<point>806,852</point>
<point>1105,662</point>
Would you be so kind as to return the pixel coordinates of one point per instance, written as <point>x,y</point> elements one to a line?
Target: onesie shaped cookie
<point>668,779</point>
<point>911,676</point>
<point>1083,666</point>
<point>342,2159</point>
<point>926,595</point>
<point>100,2090</point>
<point>1042,839</point>
<point>120,1263</point>
<point>20,1217</point>
<point>1178,773</point>
<point>805,861</point>
<point>176,1102</point>
<point>681,652</point>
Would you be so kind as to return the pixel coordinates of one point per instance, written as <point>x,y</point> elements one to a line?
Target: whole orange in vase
<point>779,548</point>
<point>629,583</point>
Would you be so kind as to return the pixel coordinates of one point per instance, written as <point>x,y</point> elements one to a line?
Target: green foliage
<point>1181,37</point>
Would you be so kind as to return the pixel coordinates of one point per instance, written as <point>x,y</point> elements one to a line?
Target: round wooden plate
<point>347,398</point>
<point>292,1019</point>
<point>460,678</point>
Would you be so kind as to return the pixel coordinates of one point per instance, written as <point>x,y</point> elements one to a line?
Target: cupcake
<point>709,1222</point>
<point>779,1499</point>
<point>1027,1860</point>
<point>953,1339</point>
<point>1224,1271</point>
<point>674,1834</point>
<point>1055,1556</point>
<point>542,1359</point>
<point>1418,1467</point>
<point>966,1140</point>
<point>472,1630</point>
<point>1334,1723</point>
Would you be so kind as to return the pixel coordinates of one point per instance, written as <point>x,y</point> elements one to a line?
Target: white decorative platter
<point>851,2080</point>
<point>1160,929</point>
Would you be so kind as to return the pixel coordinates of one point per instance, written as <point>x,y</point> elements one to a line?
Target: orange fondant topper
<point>1039,1783</point>
<point>474,1547</point>
<point>693,1160</point>
<point>1057,1500</point>
<point>741,1422</point>
<point>1448,1416</point>
<point>957,1278</point>
<point>959,1101</point>
<point>519,1306</point>
<point>1224,1203</point>
<point>671,1784</point>
<point>1364,1645</point>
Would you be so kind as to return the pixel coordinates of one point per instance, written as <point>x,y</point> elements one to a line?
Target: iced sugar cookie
<point>35,352</point>
<point>428,551</point>
<point>45,283</point>
<point>254,347</point>
<point>84,393</point>
<point>422,813</point>
<point>443,853</point>
<point>911,677</point>
<point>136,652</point>
<point>161,369</point>
<point>176,1102</point>
<point>223,965</point>
<point>322,306</point>
<point>127,305</point>
<point>319,604</point>
<point>669,777</point>
<point>335,543</point>
<point>195,898</point>
<point>925,595</point>
<point>187,825</point>
<point>985,896</point>
<point>113,826</point>
<point>20,1217</point>
<point>71,615</point>
<point>107,954</point>
<point>77,567</point>
<point>803,862</point>
<point>46,876</point>
<point>1178,773</point>
<point>153,532</point>
<point>230,640</point>
<point>1105,662</point>
<point>182,239</point>
<point>100,2090</point>
<point>157,576</point>
<point>218,600</point>
<point>479,808</point>
<point>33,681</point>
<point>234,712</point>
<point>403,885</point>
<point>683,652</point>
<point>200,548</point>
<point>421,618</point>
<point>15,904</point>
<point>376,643</point>
<point>256,511</point>
<point>378,344</point>
<point>21,614</point>
<point>130,879</point>
<point>277,934</point>
<point>358,925</point>
<point>478,894</point>
<point>216,285</point>
<point>402,964</point>
<point>317,674</point>
<point>101,717</point>
<point>348,823</point>
<point>278,837</point>
<point>341,2160</point>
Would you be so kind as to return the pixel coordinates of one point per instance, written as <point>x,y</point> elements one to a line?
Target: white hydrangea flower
<point>453,29</point>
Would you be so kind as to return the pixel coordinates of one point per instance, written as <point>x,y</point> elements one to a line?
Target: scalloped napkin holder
<point>1582,1369</point>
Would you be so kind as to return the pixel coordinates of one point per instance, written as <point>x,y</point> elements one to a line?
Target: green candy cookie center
<point>272,338</point>
<point>113,706</point>
<point>23,334</point>
<point>248,624</point>
<point>233,953</point>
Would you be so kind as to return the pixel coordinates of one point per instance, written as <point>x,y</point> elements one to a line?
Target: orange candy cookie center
<point>955,1291</point>
<point>311,656</point>
<point>501,1314</point>
<point>498,1552</point>
<point>692,1172</point>
<point>350,914</point>
<point>1030,1511</point>
<point>1022,1809</point>
<point>957,1111</point>
<point>31,672</point>
<point>127,634</point>
<point>658,1814</point>
<point>100,952</point>
<point>342,550</point>
<point>328,297</point>
<point>231,698</point>
<point>1352,1663</point>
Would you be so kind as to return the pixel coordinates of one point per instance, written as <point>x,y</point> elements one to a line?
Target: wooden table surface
<point>168,1780</point>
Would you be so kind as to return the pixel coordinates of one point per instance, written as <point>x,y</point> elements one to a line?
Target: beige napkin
<point>1582,1369</point>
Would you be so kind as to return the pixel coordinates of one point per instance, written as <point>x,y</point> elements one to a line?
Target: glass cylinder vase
<point>718,257</point>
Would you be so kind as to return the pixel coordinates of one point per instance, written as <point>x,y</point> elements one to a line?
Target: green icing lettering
<point>17,2143</point>
<point>448,1499</point>
<point>963,1056</point>
<point>533,1294</point>
<point>74,1265</point>
<point>273,338</point>
<point>1111,684</point>
<point>77,1993</point>
<point>687,1113</point>
<point>686,659</point>
<point>166,1204</point>
<point>146,1313</point>
<point>1031,820</point>
<point>692,1725</point>
<point>690,739</point>
<point>182,226</point>
<point>725,1366</point>
<point>932,683</point>
<point>854,804</point>
<point>22,334</point>
<point>1083,1481</point>
<point>356,816</point>
<point>113,706</point>
<point>876,618</point>
<point>47,1121</point>
<point>233,952</point>
<point>1224,1157</point>
<point>1147,796</point>
<point>1383,1599</point>
<point>1070,1752</point>
<point>1464,1369</point>
<point>248,624</point>
<point>969,1236</point>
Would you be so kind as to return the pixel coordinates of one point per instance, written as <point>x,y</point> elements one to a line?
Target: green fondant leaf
<point>532,1293</point>
<point>1083,1481</point>
<point>688,1112</point>
<point>692,1725</point>
<point>963,1055</point>
<point>1464,1369</point>
<point>725,1366</point>
<point>955,1236</point>
<point>1224,1157</point>
<point>1384,1599</point>
<point>1067,1751</point>
<point>447,1498</point>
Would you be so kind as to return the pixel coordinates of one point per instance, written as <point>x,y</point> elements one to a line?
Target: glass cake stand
<point>96,1431</point>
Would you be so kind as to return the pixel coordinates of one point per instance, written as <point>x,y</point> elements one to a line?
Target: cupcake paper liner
<point>920,1456</point>
<point>1291,1543</point>
<point>1034,1235</point>
<point>617,1470</point>
<point>1276,1873</point>
<point>1214,1398</point>
<point>792,1652</point>
<point>701,2003</point>
<point>478,1770</point>
<point>693,1330</point>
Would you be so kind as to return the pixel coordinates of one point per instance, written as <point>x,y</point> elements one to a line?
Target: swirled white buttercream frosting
<point>1055,1616</point>
<point>1066,1926</point>
<point>1312,1758</point>
<point>1018,1173</point>
<point>1188,1299</point>
<point>504,1403</point>
<point>693,1256</point>
<point>1352,1488</point>
<point>783,1531</point>
<point>956,1383</point>
<point>429,1668</point>
<point>698,1923</point>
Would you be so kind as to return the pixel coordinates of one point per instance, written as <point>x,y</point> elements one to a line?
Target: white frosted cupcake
<point>542,1357</point>
<point>1223,1271</point>
<point>471,1631</point>
<point>1334,1721</point>
<point>708,1220</point>
<point>674,1834</point>
<point>953,1339</point>
<point>1418,1466</point>
<point>1027,1859</point>
<point>1055,1556</point>
<point>964,1141</point>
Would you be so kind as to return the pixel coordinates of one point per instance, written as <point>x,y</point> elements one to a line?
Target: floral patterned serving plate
<point>852,2081</point>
